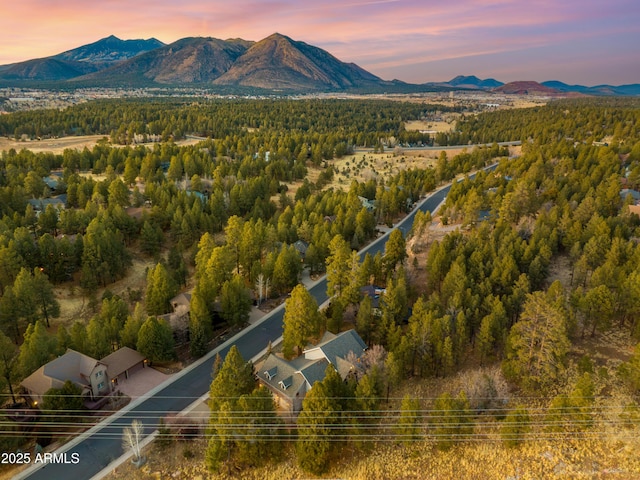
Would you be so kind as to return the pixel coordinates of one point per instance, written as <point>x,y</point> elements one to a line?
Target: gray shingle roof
<point>341,345</point>
<point>314,371</point>
<point>73,366</point>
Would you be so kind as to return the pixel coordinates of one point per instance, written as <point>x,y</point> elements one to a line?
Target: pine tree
<point>150,238</point>
<point>160,290</point>
<point>408,429</point>
<point>452,421</point>
<point>8,362</point>
<point>337,266</point>
<point>235,302</point>
<point>234,379</point>
<point>259,445</point>
<point>515,426</point>
<point>316,435</point>
<point>537,344</point>
<point>155,340</point>
<point>38,348</point>
<point>301,320</point>
<point>395,252</point>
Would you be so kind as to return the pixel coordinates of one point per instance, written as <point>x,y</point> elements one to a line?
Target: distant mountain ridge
<point>471,81</point>
<point>109,50</point>
<point>79,61</point>
<point>275,63</point>
<point>188,60</point>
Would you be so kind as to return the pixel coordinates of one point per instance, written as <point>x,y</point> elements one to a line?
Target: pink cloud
<point>381,35</point>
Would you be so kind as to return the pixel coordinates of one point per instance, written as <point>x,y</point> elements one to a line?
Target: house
<point>181,300</point>
<point>85,372</point>
<point>96,378</point>
<point>634,209</point>
<point>370,205</point>
<point>625,192</point>
<point>375,293</point>
<point>179,319</point>
<point>289,381</point>
<point>301,247</point>
<point>40,204</point>
<point>54,182</point>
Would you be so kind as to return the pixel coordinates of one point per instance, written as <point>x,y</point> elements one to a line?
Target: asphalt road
<point>103,444</point>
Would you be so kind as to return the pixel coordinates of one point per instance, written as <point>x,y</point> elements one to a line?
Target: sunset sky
<point>576,41</point>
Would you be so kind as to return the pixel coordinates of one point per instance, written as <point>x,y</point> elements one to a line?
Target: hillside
<point>280,62</point>
<point>109,50</point>
<point>79,61</point>
<point>526,88</point>
<point>189,60</point>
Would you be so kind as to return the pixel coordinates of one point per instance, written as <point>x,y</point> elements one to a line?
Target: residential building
<point>290,381</point>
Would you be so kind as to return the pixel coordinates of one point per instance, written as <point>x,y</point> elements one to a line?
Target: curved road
<point>102,444</point>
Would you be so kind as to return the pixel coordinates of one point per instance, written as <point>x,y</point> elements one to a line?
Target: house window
<point>99,374</point>
<point>100,385</point>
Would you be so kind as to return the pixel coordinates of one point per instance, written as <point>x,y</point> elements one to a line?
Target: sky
<point>587,42</point>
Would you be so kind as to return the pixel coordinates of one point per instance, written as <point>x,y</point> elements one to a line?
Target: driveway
<point>141,382</point>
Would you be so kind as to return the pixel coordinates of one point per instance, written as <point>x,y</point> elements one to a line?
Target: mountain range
<point>276,63</point>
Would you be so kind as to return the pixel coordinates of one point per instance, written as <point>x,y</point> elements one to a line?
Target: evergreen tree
<point>316,429</point>
<point>160,290</point>
<point>233,380</point>
<point>151,238</point>
<point>63,404</point>
<point>79,338</point>
<point>537,344</point>
<point>235,302</point>
<point>515,426</point>
<point>408,427</point>
<point>129,332</point>
<point>364,325</point>
<point>395,252</point>
<point>301,320</point>
<point>155,340</point>
<point>8,362</point>
<point>453,421</point>
<point>337,266</point>
<point>38,348</point>
<point>46,300</point>
<point>98,339</point>
<point>259,444</point>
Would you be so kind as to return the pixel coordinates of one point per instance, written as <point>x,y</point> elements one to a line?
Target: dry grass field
<point>58,145</point>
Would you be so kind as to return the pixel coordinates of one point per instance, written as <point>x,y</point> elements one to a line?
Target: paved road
<point>103,444</point>
<point>514,143</point>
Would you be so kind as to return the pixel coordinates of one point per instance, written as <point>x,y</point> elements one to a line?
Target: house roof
<point>314,371</point>
<point>181,299</point>
<point>122,360</point>
<point>626,191</point>
<point>41,203</point>
<point>290,377</point>
<point>374,293</point>
<point>301,246</point>
<point>340,345</point>
<point>39,383</point>
<point>73,366</point>
<point>281,376</point>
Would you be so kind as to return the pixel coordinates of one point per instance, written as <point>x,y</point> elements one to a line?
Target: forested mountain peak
<point>110,49</point>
